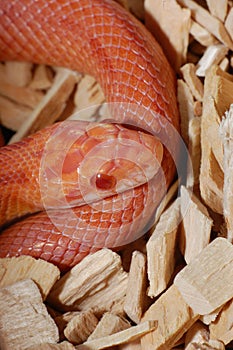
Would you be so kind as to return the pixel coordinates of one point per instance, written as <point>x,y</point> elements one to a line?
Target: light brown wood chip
<point>24,320</point>
<point>194,83</point>
<point>65,345</point>
<point>229,23</point>
<point>109,324</point>
<point>201,281</point>
<point>202,35</point>
<point>226,129</point>
<point>97,282</point>
<point>170,24</point>
<point>194,147</point>
<point>161,249</point>
<point>17,269</point>
<point>213,55</point>
<point>18,73</point>
<point>218,8</point>
<point>42,78</point>
<point>222,328</point>
<point>136,298</point>
<point>174,317</point>
<point>118,338</point>
<point>80,327</point>
<point>197,225</point>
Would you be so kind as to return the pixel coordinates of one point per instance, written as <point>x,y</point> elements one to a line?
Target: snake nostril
<point>105,182</point>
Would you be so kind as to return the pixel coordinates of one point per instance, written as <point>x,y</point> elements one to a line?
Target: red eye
<point>105,182</point>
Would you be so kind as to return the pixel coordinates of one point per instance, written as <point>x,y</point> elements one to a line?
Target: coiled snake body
<point>100,38</point>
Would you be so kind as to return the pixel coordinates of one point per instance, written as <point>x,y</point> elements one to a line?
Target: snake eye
<point>105,182</point>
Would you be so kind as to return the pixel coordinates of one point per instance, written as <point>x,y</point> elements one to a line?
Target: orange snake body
<point>100,38</point>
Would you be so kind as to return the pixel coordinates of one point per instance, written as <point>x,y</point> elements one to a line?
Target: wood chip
<point>186,108</point>
<point>194,83</point>
<point>161,250</point>
<point>109,324</point>
<point>16,269</point>
<point>222,328</point>
<point>18,73</point>
<point>174,317</point>
<point>227,137</point>
<point>202,35</point>
<point>136,300</point>
<point>198,334</point>
<point>229,23</point>
<point>46,346</point>
<point>213,55</point>
<point>51,106</point>
<point>13,115</point>
<point>201,281</point>
<point>211,23</point>
<point>24,319</point>
<point>97,282</point>
<point>122,337</point>
<point>80,327</point>
<point>42,78</point>
<point>197,225</point>
<point>218,8</point>
<point>170,25</point>
<point>136,345</point>
<point>194,147</point>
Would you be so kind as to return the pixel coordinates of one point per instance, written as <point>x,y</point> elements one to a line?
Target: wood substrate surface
<point>171,289</point>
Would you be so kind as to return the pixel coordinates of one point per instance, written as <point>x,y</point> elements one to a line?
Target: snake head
<point>97,161</point>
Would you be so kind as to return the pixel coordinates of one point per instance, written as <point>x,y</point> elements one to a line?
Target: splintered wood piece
<point>224,64</point>
<point>19,268</point>
<point>186,108</point>
<point>97,282</point>
<point>211,23</point>
<point>197,225</point>
<point>42,78</point>
<point>198,337</point>
<point>194,83</point>
<point>202,35</point>
<point>24,318</point>
<point>194,148</point>
<point>161,250</point>
<point>80,327</point>
<point>136,345</point>
<point>213,55</point>
<point>118,338</point>
<point>222,328</point>
<point>201,281</point>
<point>65,345</point>
<point>136,299</point>
<point>62,320</point>
<point>211,345</point>
<point>174,318</point>
<point>13,115</point>
<point>22,95</point>
<point>226,129</point>
<point>18,73</point>
<point>218,8</point>
<point>217,99</point>
<point>109,324</point>
<point>51,105</point>
<point>171,24</point>
<point>229,23</point>
<point>88,97</point>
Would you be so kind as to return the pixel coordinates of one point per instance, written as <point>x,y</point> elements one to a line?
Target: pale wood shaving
<point>211,23</point>
<point>202,35</point>
<point>213,55</point>
<point>80,327</point>
<point>174,317</point>
<point>197,225</point>
<point>227,137</point>
<point>170,24</point>
<point>161,250</point>
<point>109,324</point>
<point>62,320</point>
<point>222,328</point>
<point>13,115</point>
<point>136,301</point>
<point>122,337</point>
<point>186,108</point>
<point>52,104</point>
<point>97,282</point>
<point>224,64</point>
<point>136,345</point>
<point>18,73</point>
<point>198,333</point>
<point>194,83</point>
<point>15,269</point>
<point>211,345</point>
<point>211,317</point>
<point>65,345</point>
<point>201,281</point>
<point>194,147</point>
<point>197,108</point>
<point>218,8</point>
<point>42,78</point>
<point>229,23</point>
<point>24,319</point>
